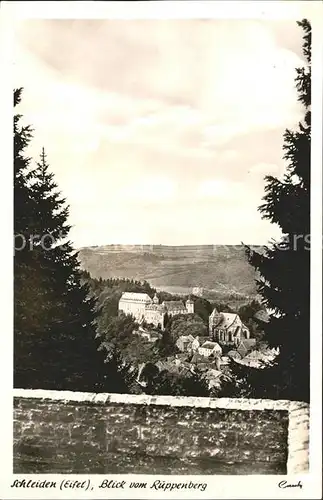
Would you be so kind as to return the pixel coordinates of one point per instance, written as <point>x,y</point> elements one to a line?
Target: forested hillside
<point>220,269</point>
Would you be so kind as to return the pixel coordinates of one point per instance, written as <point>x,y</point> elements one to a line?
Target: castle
<point>143,308</point>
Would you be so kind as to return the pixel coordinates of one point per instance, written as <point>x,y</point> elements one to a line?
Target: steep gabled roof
<point>227,319</point>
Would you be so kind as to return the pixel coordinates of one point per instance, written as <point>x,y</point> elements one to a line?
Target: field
<point>221,270</point>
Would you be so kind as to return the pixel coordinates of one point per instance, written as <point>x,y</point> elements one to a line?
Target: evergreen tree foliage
<point>202,308</point>
<point>166,345</point>
<point>54,346</point>
<point>30,300</point>
<point>163,383</point>
<point>284,267</point>
<point>187,324</point>
<point>246,313</point>
<point>119,374</point>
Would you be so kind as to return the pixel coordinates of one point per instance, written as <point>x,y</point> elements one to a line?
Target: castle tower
<point>190,306</point>
<point>156,299</point>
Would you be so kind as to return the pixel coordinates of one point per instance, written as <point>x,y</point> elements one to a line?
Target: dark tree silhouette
<point>54,346</point>
<point>284,267</point>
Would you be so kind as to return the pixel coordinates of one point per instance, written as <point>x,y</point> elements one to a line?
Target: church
<point>227,328</point>
<point>144,308</point>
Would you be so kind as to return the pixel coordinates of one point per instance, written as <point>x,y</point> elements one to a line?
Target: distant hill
<point>219,269</point>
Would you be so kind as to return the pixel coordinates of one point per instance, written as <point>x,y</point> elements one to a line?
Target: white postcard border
<point>218,486</point>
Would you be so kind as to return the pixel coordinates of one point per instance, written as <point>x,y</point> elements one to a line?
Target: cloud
<point>220,188</point>
<point>265,169</point>
<point>159,115</point>
<point>152,189</point>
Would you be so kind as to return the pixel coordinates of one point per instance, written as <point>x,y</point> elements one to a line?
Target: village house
<point>259,358</point>
<point>233,354</point>
<point>184,343</point>
<point>198,341</point>
<point>227,328</point>
<point>210,348</point>
<point>246,346</point>
<point>242,350</point>
<point>224,361</point>
<point>174,366</point>
<point>197,358</point>
<point>145,309</point>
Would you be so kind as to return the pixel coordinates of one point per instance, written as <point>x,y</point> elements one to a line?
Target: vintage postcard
<point>163,293</point>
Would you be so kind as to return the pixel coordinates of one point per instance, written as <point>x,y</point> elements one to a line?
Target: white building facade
<point>135,304</point>
<point>144,308</point>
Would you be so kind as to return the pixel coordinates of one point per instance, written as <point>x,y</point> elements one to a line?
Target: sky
<point>161,131</point>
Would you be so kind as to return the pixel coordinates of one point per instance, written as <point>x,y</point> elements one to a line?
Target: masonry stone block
<point>66,432</point>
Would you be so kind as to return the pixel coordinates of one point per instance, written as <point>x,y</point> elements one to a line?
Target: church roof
<point>225,320</point>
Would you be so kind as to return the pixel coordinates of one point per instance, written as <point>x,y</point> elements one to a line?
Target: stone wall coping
<point>174,401</point>
<point>298,413</point>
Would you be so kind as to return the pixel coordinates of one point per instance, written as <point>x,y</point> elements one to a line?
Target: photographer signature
<point>285,484</point>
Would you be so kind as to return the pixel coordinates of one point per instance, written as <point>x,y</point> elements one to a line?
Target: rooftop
<point>174,304</point>
<point>140,297</point>
<point>211,345</point>
<point>225,320</point>
<point>202,339</point>
<point>233,354</point>
<point>245,346</point>
<point>155,307</point>
<point>187,338</point>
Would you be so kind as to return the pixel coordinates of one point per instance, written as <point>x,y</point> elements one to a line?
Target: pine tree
<point>30,311</point>
<point>54,315</point>
<point>284,267</point>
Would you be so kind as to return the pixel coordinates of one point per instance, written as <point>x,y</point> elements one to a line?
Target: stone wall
<point>66,432</point>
